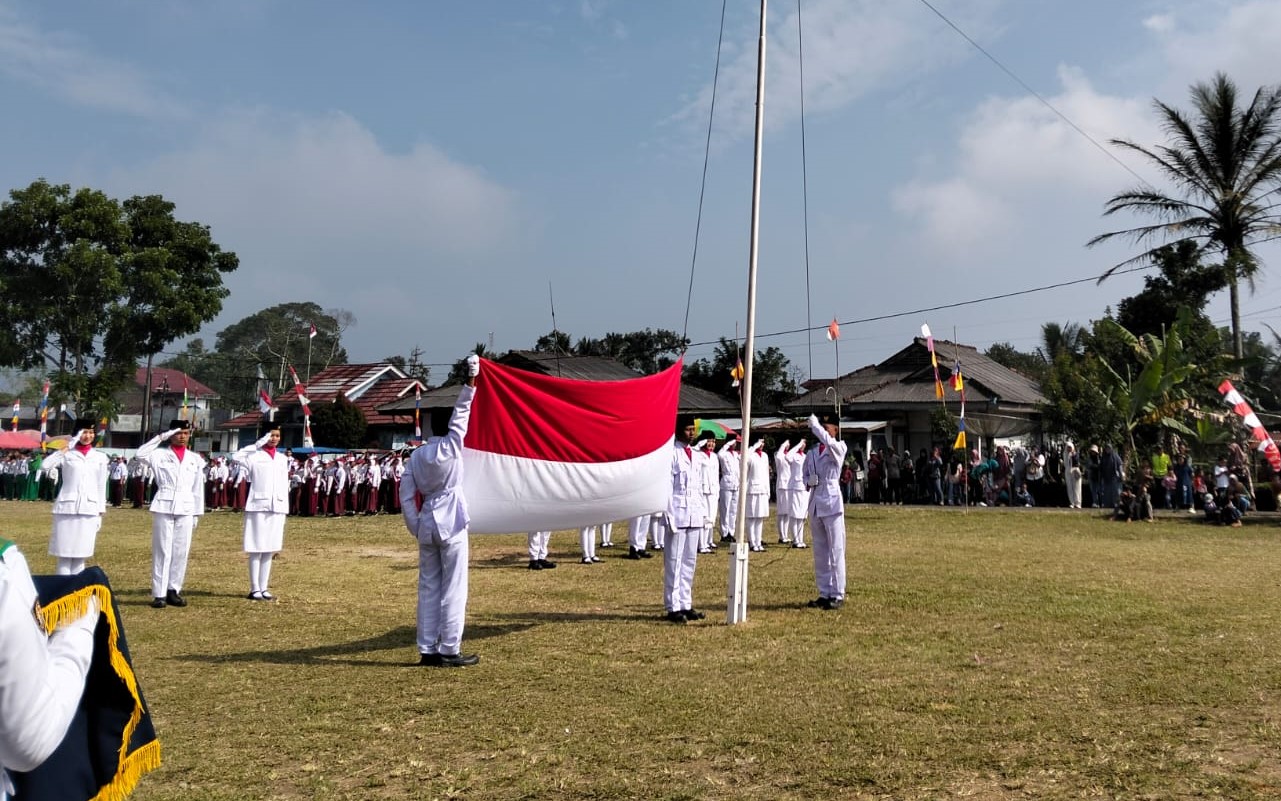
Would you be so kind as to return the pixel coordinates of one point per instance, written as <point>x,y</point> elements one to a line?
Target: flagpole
<point>736,611</point>
<point>310,336</point>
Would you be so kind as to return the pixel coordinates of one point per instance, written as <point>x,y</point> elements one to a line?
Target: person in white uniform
<point>266,507</point>
<point>638,537</point>
<point>435,512</point>
<point>822,473</point>
<point>42,676</point>
<point>711,467</point>
<point>538,541</point>
<point>587,541</point>
<point>798,495</point>
<point>757,510</point>
<point>686,511</point>
<point>175,510</point>
<point>727,508</point>
<point>81,503</point>
<point>782,488</point>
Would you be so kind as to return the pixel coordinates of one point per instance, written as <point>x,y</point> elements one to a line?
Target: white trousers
<point>658,530</point>
<point>442,592</point>
<point>796,527</point>
<point>538,544</point>
<point>638,532</point>
<point>170,546</point>
<point>587,540</point>
<point>259,571</point>
<point>680,557</point>
<point>829,555</point>
<point>606,533</point>
<point>727,511</point>
<point>755,527</point>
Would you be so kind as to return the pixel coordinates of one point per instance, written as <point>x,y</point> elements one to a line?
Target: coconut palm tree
<point>1224,163</point>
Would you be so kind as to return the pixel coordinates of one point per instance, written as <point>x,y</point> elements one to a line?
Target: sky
<point>454,173</point>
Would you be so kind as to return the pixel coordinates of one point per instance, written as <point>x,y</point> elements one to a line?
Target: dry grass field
<point>999,654</point>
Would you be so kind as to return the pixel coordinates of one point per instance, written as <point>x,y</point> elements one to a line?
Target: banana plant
<point>1153,390</point>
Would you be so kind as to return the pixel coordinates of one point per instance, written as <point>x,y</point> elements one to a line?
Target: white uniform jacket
<point>84,481</point>
<point>729,462</point>
<point>41,678</point>
<point>435,473</point>
<point>180,485</point>
<point>687,507</point>
<point>823,465</point>
<point>268,478</point>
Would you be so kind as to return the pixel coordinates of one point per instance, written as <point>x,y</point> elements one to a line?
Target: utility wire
<point>805,195</point>
<point>1035,94</point>
<point>942,306</point>
<point>707,151</point>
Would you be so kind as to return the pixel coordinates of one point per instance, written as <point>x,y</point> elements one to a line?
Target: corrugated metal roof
<point>174,380</point>
<point>907,377</point>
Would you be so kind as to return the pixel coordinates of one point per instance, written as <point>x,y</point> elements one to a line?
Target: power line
<point>1035,94</point>
<point>956,305</point>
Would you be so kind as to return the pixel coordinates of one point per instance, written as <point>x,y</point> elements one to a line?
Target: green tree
<point>89,285</point>
<point>646,351</point>
<point>1225,165</point>
<point>1076,407</point>
<point>1032,365</point>
<point>340,424</point>
<point>772,379</point>
<point>266,343</point>
<point>1068,338</point>
<point>458,373</point>
<point>553,342</point>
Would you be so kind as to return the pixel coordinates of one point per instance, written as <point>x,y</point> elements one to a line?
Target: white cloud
<point>1238,38</point>
<point>318,210</point>
<point>62,64</point>
<point>1014,153</point>
<point>850,48</point>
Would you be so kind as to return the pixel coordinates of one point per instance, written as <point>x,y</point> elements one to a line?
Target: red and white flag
<point>312,333</point>
<point>1243,410</point>
<point>546,454</point>
<point>301,392</point>
<point>264,401</point>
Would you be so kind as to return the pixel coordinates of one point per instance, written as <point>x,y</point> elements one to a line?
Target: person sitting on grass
<point>1143,503</point>
<point>1239,495</point>
<point>1126,509</point>
<point>1022,497</point>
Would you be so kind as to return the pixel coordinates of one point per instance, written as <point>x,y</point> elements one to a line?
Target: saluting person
<point>266,508</point>
<point>175,510</point>
<point>81,503</point>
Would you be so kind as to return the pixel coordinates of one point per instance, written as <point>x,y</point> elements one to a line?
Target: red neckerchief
<point>84,449</point>
<point>179,451</point>
<point>821,448</point>
<point>270,451</point>
<point>689,453</point>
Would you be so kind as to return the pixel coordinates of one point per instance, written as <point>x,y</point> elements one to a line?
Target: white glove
<point>263,440</point>
<point>473,365</point>
<point>760,443</point>
<point>813,420</point>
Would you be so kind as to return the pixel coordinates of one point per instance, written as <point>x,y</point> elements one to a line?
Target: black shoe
<point>534,564</point>
<point>693,614</point>
<point>818,603</point>
<point>157,603</point>
<point>458,660</point>
<point>174,599</point>
<point>632,553</point>
<point>676,617</point>
<point>547,565</point>
<point>429,660</point>
<point>728,538</point>
<point>834,603</point>
<point>255,596</point>
<point>645,554</point>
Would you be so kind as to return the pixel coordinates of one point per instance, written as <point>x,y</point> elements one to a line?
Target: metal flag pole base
<point>736,610</point>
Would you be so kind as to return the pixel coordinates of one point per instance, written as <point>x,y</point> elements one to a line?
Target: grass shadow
<point>399,638</point>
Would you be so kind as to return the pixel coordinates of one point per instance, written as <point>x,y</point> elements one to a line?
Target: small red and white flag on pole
<point>301,390</point>
<point>833,330</point>
<point>312,334</point>
<point>264,401</point>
